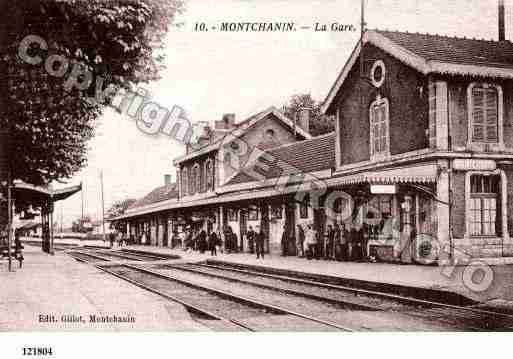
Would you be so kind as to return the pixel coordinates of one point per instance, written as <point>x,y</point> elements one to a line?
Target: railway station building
<point>420,163</point>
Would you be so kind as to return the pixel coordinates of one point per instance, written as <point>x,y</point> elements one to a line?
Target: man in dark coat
<point>228,238</point>
<point>330,242</point>
<point>284,241</point>
<point>202,241</point>
<point>212,243</point>
<point>251,239</point>
<point>259,241</point>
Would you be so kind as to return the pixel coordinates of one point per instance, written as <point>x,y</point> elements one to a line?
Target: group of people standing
<point>336,243</point>
<point>200,241</point>
<point>256,241</point>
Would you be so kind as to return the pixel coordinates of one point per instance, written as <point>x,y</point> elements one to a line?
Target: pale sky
<point>211,73</point>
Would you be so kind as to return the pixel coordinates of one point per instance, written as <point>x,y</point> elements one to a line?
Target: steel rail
<point>240,298</point>
<point>146,254</point>
<point>192,307</point>
<point>438,316</point>
<point>363,291</point>
<point>351,305</point>
<point>70,253</point>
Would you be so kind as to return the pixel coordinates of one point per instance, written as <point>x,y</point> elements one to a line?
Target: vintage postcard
<point>237,166</point>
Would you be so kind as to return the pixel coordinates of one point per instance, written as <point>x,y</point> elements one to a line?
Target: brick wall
<point>507,89</point>
<point>407,93</point>
<point>458,208</point>
<point>256,136</point>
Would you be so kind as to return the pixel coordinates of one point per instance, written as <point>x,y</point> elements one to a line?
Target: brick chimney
<point>227,122</point>
<point>205,136</point>
<point>167,179</point>
<point>502,29</point>
<point>303,118</point>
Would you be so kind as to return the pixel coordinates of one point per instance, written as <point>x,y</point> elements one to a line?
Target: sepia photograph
<point>328,168</point>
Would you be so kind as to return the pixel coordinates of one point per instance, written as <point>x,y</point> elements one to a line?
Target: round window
<point>378,73</point>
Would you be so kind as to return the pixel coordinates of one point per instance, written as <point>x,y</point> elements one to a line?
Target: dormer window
<point>379,128</point>
<point>485,114</point>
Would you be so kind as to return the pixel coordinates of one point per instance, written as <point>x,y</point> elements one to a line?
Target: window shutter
<point>478,130</point>
<point>491,115</point>
<point>373,130</point>
<point>432,115</point>
<point>383,135</point>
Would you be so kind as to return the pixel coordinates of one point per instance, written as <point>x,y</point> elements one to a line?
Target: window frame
<point>185,181</point>
<point>197,178</point>
<point>482,197</point>
<point>209,175</point>
<point>276,211</point>
<point>192,180</point>
<point>501,204</point>
<point>483,145</point>
<point>303,209</point>
<point>232,215</point>
<point>253,213</point>
<point>380,101</point>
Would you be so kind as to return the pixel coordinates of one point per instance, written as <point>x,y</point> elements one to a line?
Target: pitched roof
<point>316,154</point>
<point>454,49</point>
<point>159,194</point>
<point>435,54</point>
<point>240,129</point>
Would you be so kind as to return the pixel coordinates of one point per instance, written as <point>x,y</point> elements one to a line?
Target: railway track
<point>132,255</point>
<point>264,301</point>
<point>107,255</point>
<point>456,317</point>
<point>236,312</point>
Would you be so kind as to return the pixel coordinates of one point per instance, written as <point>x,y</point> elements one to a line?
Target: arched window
<point>192,181</point>
<point>379,128</point>
<point>269,134</point>
<point>184,179</point>
<point>197,174</point>
<point>201,171</point>
<point>209,175</point>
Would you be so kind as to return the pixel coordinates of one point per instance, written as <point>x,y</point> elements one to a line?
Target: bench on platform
<point>15,253</point>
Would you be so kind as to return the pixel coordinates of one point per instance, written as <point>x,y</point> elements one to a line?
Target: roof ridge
<point>446,36</point>
<point>301,142</point>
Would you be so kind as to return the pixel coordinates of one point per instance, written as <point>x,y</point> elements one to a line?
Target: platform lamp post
<point>103,206</point>
<point>6,182</point>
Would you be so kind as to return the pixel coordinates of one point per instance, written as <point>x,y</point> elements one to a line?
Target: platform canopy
<point>35,194</point>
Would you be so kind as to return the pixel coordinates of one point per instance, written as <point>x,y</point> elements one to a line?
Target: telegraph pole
<point>103,206</point>
<point>62,218</point>
<point>362,32</point>
<point>82,201</point>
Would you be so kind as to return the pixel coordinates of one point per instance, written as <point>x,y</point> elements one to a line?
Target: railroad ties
<point>228,298</point>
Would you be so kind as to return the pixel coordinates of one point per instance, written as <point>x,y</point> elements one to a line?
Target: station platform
<point>445,282</point>
<point>49,287</point>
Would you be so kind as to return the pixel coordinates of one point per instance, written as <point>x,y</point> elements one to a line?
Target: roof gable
<point>435,54</point>
<point>243,127</point>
